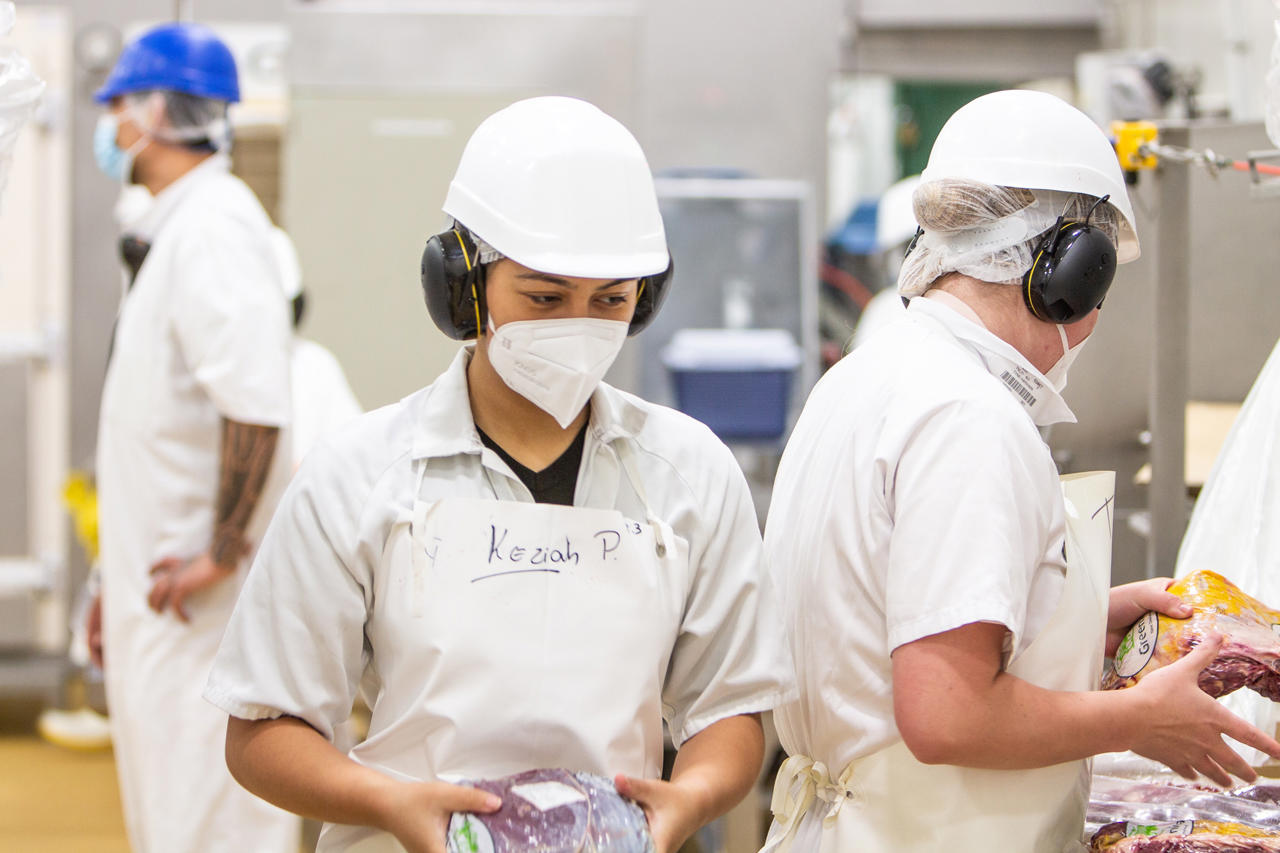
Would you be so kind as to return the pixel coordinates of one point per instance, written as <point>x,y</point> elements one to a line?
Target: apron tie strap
<point>801,782</point>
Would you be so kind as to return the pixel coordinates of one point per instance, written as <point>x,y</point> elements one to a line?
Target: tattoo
<point>247,451</point>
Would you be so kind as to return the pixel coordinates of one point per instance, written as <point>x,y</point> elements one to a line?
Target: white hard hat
<point>1033,140</point>
<point>287,265</point>
<point>895,218</point>
<point>557,185</point>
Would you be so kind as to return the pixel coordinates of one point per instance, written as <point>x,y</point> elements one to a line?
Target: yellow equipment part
<point>1130,136</point>
<point>80,497</point>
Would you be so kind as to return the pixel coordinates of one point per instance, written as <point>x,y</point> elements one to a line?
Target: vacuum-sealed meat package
<point>1113,800</point>
<point>552,811</point>
<point>1250,653</point>
<point>1183,836</point>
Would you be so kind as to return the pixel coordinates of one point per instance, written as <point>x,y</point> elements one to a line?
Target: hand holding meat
<point>420,816</point>
<point>1250,653</point>
<point>1129,602</point>
<point>1182,727</point>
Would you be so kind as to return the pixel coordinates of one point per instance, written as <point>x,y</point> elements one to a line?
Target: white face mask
<point>1057,375</point>
<point>556,364</point>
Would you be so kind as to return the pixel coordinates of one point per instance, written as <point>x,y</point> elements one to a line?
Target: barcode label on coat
<point>1018,387</point>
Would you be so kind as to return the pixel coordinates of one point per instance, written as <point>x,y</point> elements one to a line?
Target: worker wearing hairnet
<point>946,608</point>
<point>190,455</point>
<point>536,568</point>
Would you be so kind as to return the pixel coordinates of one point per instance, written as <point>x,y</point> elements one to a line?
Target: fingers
<point>168,564</point>
<point>1154,595</point>
<point>1238,729</point>
<point>1212,770</point>
<point>159,594</point>
<point>1231,762</point>
<point>95,649</point>
<point>460,798</point>
<point>640,790</point>
<point>1168,604</point>
<point>177,599</point>
<point>1201,655</point>
<point>93,632</point>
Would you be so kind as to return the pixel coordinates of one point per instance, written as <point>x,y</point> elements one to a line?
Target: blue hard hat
<point>857,235</point>
<point>179,57</point>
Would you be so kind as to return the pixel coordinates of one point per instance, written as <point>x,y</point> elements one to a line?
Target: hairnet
<point>192,120</point>
<point>987,232</point>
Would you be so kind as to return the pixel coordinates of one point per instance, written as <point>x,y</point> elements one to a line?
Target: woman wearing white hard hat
<point>946,607</point>
<point>537,568</point>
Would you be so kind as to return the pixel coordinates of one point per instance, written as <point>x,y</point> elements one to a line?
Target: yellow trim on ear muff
<point>475,297</point>
<point>463,246</point>
<point>640,291</point>
<point>1031,272</point>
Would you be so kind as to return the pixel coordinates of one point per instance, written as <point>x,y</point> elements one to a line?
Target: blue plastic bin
<point>736,381</point>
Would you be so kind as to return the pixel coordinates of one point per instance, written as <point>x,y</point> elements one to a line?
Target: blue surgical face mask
<point>112,160</point>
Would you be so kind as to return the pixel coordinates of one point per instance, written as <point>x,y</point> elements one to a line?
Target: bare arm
<point>955,705</point>
<point>713,771</point>
<point>247,451</point>
<point>286,762</point>
<point>245,462</point>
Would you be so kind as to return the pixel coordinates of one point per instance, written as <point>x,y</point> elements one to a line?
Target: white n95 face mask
<point>1057,375</point>
<point>556,364</point>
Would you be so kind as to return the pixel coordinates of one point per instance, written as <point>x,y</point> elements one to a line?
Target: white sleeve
<point>729,657</point>
<point>295,642</point>
<point>970,525</point>
<point>231,320</point>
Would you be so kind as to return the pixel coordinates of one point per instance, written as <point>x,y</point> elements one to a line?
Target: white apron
<point>888,802</point>
<point>544,632</point>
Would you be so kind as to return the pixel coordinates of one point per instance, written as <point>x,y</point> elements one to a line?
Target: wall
<point>707,84</point>
<point>1229,40</point>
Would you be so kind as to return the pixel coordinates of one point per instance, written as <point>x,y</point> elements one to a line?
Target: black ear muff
<point>1070,273</point>
<point>453,283</point>
<point>653,292</point>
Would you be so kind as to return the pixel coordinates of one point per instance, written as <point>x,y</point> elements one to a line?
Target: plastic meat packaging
<point>1183,836</point>
<point>1114,800</point>
<point>1250,653</point>
<point>552,811</point>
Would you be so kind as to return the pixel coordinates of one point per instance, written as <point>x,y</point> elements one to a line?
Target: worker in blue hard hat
<point>192,442</point>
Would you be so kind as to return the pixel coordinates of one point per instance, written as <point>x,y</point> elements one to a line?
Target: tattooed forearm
<point>247,451</point>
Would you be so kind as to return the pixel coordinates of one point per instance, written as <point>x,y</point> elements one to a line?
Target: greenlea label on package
<point>468,835</point>
<point>1173,827</point>
<point>1138,646</point>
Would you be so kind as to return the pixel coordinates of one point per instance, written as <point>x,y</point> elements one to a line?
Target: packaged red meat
<point>1112,799</point>
<point>552,811</point>
<point>1183,836</point>
<point>1250,654</point>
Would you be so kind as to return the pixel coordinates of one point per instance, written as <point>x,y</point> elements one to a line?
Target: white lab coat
<point>202,335</point>
<point>322,399</point>
<point>915,496</point>
<point>319,604</point>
